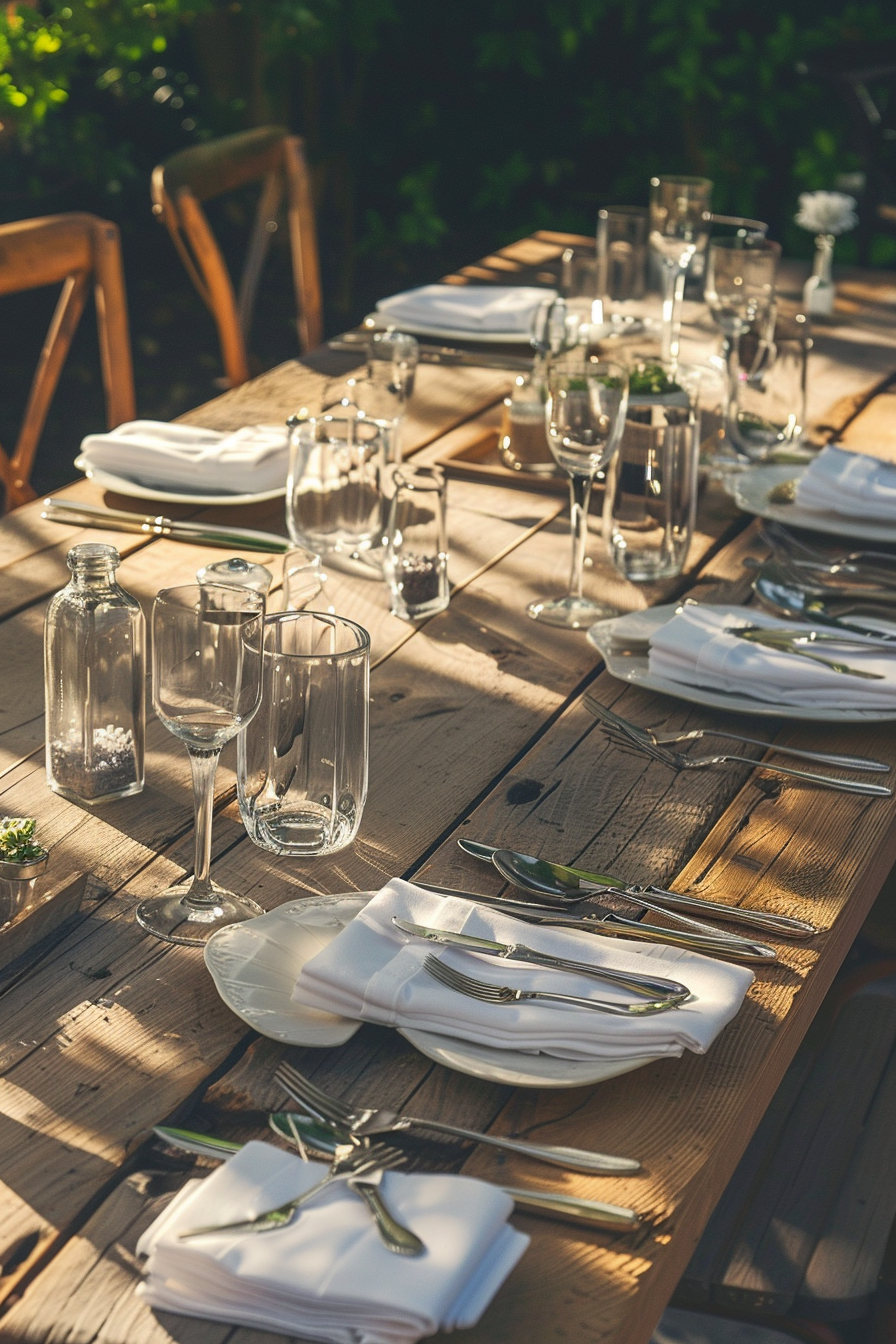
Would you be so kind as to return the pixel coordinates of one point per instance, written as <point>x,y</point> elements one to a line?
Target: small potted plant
<point>22,860</point>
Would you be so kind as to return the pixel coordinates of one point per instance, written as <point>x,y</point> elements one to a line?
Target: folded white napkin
<point>374,971</point>
<point>854,484</point>
<point>187,458</point>
<point>696,647</point>
<point>327,1275</point>
<point>477,309</point>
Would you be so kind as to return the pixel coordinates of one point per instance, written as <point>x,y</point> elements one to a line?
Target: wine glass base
<point>174,918</point>
<point>570,613</point>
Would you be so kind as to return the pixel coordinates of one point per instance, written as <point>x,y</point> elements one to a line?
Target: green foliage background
<point>437,130</point>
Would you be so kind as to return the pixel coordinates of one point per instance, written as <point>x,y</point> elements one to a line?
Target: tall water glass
<point>740,293</point>
<point>584,414</point>
<point>333,496</point>
<point>773,384</point>
<point>680,214</point>
<point>206,686</point>
<point>651,491</point>
<point>302,761</point>
<point>621,253</point>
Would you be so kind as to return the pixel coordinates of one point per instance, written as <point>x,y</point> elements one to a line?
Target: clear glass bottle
<point>94,675</point>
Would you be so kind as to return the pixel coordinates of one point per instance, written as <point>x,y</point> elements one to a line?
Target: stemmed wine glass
<point>680,217</point>
<point>206,664</point>
<point>740,292</point>
<point>585,416</point>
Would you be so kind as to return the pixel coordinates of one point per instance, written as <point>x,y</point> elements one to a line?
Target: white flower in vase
<point>826,214</point>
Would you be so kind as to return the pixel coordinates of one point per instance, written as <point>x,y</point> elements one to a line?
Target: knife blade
<point>647,985</point>
<point>118,520</point>
<point>567,1207</point>
<point>607,924</point>
<point>445,354</point>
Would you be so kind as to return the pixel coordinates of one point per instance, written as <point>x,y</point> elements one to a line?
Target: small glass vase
<point>819,290</point>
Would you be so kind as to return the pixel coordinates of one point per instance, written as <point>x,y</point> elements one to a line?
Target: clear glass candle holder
<point>302,761</point>
<point>416,558</point>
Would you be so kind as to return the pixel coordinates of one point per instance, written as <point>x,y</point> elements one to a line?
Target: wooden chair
<point>70,249</point>
<point>204,171</point>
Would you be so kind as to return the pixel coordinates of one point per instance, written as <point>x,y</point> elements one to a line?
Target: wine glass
<point>206,665</point>
<point>740,292</point>
<point>680,215</point>
<point>584,415</point>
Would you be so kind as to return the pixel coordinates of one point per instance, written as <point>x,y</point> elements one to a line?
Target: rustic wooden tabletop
<point>478,728</point>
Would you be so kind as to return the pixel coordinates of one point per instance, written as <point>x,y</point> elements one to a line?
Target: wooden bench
<point>802,1228</point>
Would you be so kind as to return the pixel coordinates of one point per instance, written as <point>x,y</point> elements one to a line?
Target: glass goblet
<point>584,416</point>
<point>206,664</point>
<point>680,216</point>
<point>740,293</point>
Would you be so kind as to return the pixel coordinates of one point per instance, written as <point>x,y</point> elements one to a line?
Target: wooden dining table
<point>479,728</point>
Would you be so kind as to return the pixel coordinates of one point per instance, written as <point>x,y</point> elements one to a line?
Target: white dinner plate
<point>134,490</point>
<point>751,488</point>
<point>255,966</point>
<point>626,658</point>
<point>381,321</point>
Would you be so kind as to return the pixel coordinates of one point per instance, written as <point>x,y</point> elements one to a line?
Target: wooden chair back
<point>184,180</point>
<point>70,250</point>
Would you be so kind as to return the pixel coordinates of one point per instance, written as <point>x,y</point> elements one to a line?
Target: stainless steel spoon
<point>570,885</point>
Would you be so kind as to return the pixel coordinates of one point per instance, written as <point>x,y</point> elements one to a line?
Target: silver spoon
<point>778,591</point>
<point>570,885</point>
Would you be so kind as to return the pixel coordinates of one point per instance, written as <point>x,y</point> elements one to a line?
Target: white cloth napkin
<point>188,458</point>
<point>853,484</point>
<point>477,309</point>
<point>374,971</point>
<point>327,1275</point>
<point>696,647</point>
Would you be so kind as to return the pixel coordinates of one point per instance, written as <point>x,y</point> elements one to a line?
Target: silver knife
<point>568,1207</point>
<point>446,354</point>
<point>607,924</point>
<point>208,534</point>
<point>647,985</point>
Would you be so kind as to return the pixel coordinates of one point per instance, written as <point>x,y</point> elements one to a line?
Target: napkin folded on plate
<point>854,484</point>
<point>188,458</point>
<point>326,1275</point>
<point>697,647</point>
<point>477,309</point>
<point>375,972</point>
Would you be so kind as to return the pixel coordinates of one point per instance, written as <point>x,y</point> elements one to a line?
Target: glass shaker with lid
<point>94,673</point>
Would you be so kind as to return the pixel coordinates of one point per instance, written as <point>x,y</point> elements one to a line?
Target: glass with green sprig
<point>22,861</point>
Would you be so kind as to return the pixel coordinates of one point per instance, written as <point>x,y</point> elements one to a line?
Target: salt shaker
<point>94,674</point>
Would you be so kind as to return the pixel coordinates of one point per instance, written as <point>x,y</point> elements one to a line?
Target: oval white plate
<point>626,659</point>
<point>255,964</point>
<point>750,490</point>
<point>122,486</point>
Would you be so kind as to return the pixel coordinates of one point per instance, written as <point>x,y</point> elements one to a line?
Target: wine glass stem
<point>203,765</point>
<point>579,497</point>
<point>673,293</point>
<point>732,396</point>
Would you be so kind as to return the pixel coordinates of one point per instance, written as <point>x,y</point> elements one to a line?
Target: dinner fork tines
<point>361,1123</point>
<point>620,731</point>
<point>488,992</point>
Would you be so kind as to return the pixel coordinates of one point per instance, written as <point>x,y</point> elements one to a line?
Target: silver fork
<point>352,1164</point>
<point>361,1123</point>
<point>677,761</point>
<point>487,992</point>
<point>695,734</point>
